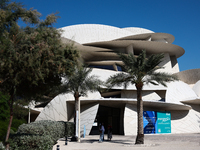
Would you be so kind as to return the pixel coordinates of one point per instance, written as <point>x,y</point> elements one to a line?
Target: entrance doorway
<point>108,116</point>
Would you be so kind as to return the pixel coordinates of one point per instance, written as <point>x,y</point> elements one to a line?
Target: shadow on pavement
<point>128,142</point>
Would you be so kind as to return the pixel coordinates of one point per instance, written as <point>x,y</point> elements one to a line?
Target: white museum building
<point>171,109</point>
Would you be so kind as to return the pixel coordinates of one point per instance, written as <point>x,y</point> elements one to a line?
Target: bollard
<point>84,132</point>
<point>58,147</point>
<point>66,141</point>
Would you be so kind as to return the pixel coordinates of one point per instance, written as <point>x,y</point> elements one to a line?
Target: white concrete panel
<point>55,110</point>
<point>105,74</point>
<point>186,121</point>
<point>87,33</point>
<point>130,120</point>
<point>146,95</point>
<point>179,91</point>
<point>166,63</point>
<point>196,88</point>
<point>136,30</point>
<point>88,115</point>
<point>150,96</point>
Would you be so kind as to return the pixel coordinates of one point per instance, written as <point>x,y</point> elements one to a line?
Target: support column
<point>129,49</point>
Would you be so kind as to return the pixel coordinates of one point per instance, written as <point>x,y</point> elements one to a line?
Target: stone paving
<point>119,142</point>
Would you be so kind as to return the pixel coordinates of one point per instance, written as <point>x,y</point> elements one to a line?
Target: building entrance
<point>108,116</point>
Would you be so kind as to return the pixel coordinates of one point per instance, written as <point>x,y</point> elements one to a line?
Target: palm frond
<point>81,81</point>
<point>140,69</point>
<point>153,61</point>
<point>119,79</point>
<point>161,78</point>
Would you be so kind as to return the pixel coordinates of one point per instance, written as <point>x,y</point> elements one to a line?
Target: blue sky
<point>180,18</point>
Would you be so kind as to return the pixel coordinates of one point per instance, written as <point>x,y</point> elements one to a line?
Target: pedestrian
<point>109,132</point>
<point>101,130</point>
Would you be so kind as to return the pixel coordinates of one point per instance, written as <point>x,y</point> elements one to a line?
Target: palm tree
<point>140,70</point>
<point>79,84</point>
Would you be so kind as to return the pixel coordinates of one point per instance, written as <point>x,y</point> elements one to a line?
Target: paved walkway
<point>152,142</point>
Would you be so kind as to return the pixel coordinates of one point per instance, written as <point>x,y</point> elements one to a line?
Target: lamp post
<point>29,115</point>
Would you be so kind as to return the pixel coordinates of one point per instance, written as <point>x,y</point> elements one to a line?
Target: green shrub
<point>69,126</point>
<point>37,135</point>
<point>31,142</point>
<point>53,128</point>
<point>2,147</point>
<point>31,129</point>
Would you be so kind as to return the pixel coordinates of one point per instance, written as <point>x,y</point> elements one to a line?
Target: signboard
<point>149,121</point>
<point>163,122</point>
<point>156,122</point>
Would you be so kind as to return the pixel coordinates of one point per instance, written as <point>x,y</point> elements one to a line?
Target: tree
<point>19,114</point>
<point>79,84</point>
<point>4,112</point>
<point>140,70</point>
<point>32,59</point>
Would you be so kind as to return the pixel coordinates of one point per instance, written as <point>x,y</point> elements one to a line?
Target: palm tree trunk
<point>76,96</point>
<point>140,131</point>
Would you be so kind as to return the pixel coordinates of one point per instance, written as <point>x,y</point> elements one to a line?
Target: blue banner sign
<point>156,122</point>
<point>149,121</point>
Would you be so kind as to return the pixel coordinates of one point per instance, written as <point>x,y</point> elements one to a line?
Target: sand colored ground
<point>152,142</point>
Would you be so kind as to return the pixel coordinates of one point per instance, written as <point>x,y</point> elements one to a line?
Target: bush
<point>2,147</point>
<point>55,129</point>
<point>38,135</point>
<point>30,142</point>
<point>69,126</point>
<point>31,129</point>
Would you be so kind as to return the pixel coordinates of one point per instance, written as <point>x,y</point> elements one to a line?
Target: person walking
<point>101,130</point>
<point>109,132</point>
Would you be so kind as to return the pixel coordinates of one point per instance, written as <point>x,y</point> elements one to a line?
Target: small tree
<point>79,84</point>
<point>140,70</point>
<point>32,59</point>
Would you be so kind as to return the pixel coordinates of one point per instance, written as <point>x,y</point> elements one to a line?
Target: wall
<point>55,110</point>
<point>166,63</point>
<point>146,95</point>
<point>88,115</point>
<point>186,121</point>
<point>174,63</point>
<point>130,120</point>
